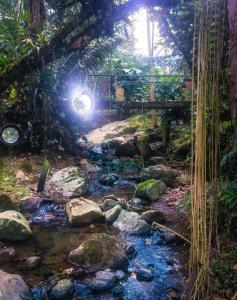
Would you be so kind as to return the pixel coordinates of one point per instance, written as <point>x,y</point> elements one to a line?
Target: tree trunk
<point>232,10</point>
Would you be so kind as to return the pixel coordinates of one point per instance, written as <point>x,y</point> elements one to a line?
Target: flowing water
<point>53,239</point>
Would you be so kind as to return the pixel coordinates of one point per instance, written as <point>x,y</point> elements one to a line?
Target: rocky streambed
<point>93,234</point>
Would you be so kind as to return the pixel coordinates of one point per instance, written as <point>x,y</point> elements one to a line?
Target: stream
<point>53,238</point>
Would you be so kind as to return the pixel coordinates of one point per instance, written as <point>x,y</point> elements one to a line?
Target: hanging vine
<point>208,50</point>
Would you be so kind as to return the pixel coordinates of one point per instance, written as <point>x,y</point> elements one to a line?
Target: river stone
<point>13,287</point>
<point>119,274</point>
<point>13,226</point>
<point>32,261</point>
<point>99,252</point>
<point>110,203</point>
<point>83,211</point>
<point>130,222</point>
<point>108,179</point>
<point>161,172</point>
<point>112,214</point>
<point>144,274</point>
<point>103,280</point>
<point>62,290</point>
<point>153,215</point>
<point>71,181</point>
<point>150,190</point>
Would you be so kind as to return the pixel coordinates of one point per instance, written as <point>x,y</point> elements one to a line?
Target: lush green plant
<point>228,195</point>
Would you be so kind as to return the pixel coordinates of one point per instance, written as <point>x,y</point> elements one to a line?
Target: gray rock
<point>120,275</point>
<point>112,214</point>
<point>99,252</point>
<point>71,181</point>
<point>144,274</point>
<point>108,179</point>
<point>32,262</point>
<point>161,172</point>
<point>83,211</point>
<point>62,290</point>
<point>14,226</point>
<point>136,202</point>
<point>13,287</point>
<point>130,222</point>
<point>118,289</point>
<point>153,215</point>
<point>103,280</point>
<point>110,203</point>
<point>82,288</point>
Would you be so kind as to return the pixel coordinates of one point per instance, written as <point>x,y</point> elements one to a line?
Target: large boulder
<point>161,172</point>
<point>83,211</point>
<point>130,222</point>
<point>71,181</point>
<point>13,287</point>
<point>119,137</point>
<point>99,252</point>
<point>13,226</point>
<point>150,190</point>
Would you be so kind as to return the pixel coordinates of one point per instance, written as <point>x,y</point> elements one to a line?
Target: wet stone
<point>103,280</point>
<point>62,290</point>
<point>82,288</point>
<point>130,250</point>
<point>32,262</point>
<point>118,289</point>
<point>109,179</point>
<point>144,274</point>
<point>120,275</point>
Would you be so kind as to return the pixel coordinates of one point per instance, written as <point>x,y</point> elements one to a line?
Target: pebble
<point>120,275</point>
<point>82,288</point>
<point>33,261</point>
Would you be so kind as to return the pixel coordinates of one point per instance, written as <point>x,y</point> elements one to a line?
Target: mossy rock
<point>150,190</point>
<point>6,203</point>
<point>13,226</point>
<point>99,252</point>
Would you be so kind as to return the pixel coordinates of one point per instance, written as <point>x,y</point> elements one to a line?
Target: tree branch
<point>39,57</point>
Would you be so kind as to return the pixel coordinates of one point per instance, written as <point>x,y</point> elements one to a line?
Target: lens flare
<point>81,102</point>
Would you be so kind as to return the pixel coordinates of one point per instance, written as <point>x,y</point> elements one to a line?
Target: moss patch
<point>150,189</point>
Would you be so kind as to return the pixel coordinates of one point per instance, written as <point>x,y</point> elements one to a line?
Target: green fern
<point>228,194</point>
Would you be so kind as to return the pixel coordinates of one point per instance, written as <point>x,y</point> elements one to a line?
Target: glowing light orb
<point>81,102</point>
